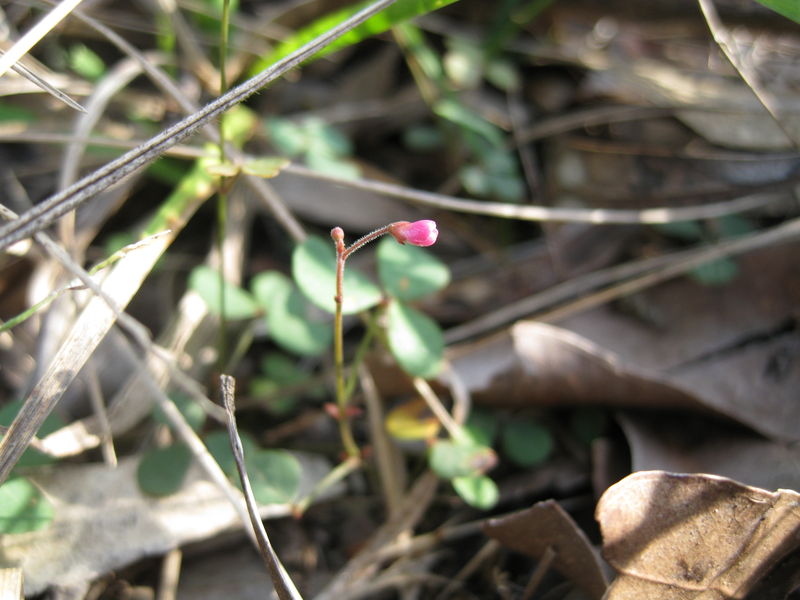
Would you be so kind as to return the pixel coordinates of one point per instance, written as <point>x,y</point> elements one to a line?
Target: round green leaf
<point>478,491</point>
<point>238,303</point>
<point>288,316</point>
<point>715,273</point>
<point>162,470</point>
<point>267,286</point>
<point>409,272</point>
<point>274,476</point>
<point>526,442</point>
<point>191,411</point>
<point>314,271</point>
<point>23,507</point>
<point>415,340</point>
<point>481,427</point>
<point>587,423</point>
<point>219,446</point>
<point>287,137</point>
<point>451,458</point>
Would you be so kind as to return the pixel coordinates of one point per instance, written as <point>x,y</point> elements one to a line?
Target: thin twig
<point>538,574</point>
<point>437,408</point>
<point>36,33</point>
<point>284,586</point>
<point>46,212</point>
<point>642,274</point>
<point>597,216</point>
<point>170,573</point>
<point>264,191</point>
<point>53,91</point>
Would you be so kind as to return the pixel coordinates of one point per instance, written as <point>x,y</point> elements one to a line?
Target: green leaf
<point>587,423</point>
<point>526,442</point>
<point>481,427</point>
<point>288,137</point>
<point>278,371</point>
<point>715,273</point>
<point>222,169</point>
<point>162,470</point>
<point>415,340</point>
<point>219,446</point>
<point>23,507</point>
<point>422,138</point>
<point>326,139</point>
<point>10,113</point>
<point>732,226</point>
<point>788,8</point>
<point>478,491</point>
<point>409,272</point>
<point>338,167</point>
<point>31,457</point>
<point>288,316</point>
<point>504,75</point>
<point>274,476</point>
<point>400,11</point>
<point>314,271</point>
<point>265,167</point>
<point>463,64</point>
<point>238,303</point>
<point>459,458</point>
<point>457,113</point>
<point>85,62</point>
<point>191,411</point>
<point>689,231</point>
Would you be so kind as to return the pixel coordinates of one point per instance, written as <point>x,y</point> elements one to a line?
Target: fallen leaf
<point>679,537</point>
<point>546,525</point>
<point>103,521</point>
<point>691,444</point>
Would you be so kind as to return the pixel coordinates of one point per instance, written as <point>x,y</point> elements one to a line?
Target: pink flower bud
<point>418,233</point>
<point>337,233</point>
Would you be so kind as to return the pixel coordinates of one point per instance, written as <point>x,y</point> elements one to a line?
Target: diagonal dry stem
<point>46,212</point>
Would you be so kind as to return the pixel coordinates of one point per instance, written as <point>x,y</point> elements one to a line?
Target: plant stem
<point>222,200</point>
<point>362,241</point>
<point>343,391</point>
<point>345,431</point>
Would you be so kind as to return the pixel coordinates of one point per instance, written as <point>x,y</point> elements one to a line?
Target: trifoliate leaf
<point>460,458</point>
<point>526,442</point>
<point>416,341</point>
<point>274,476</point>
<point>314,271</point>
<point>162,470</point>
<point>238,303</point>
<point>478,491</point>
<point>23,507</point>
<point>409,272</point>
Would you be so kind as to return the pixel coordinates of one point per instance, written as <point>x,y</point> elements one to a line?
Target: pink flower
<point>418,233</point>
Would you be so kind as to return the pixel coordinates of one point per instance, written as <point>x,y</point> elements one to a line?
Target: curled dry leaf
<point>546,525</point>
<point>679,537</point>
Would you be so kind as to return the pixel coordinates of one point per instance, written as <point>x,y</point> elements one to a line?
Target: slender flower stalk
<point>417,233</point>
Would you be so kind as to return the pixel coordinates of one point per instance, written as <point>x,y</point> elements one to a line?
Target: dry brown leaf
<point>733,347</point>
<point>537,364</point>
<point>701,537</point>
<point>690,444</point>
<point>545,525</point>
<point>103,521</point>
